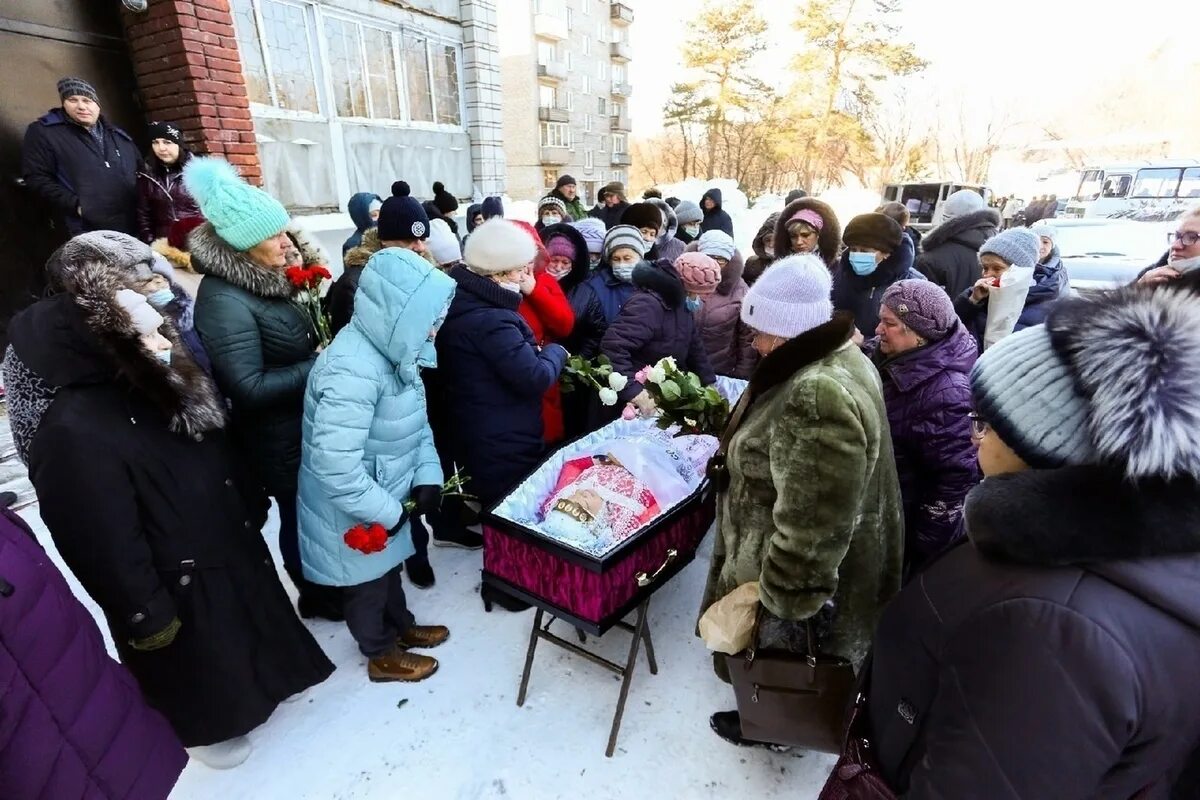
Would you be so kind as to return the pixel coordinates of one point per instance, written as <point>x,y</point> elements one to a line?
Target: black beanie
<point>876,231</point>
<point>165,130</point>
<point>643,215</point>
<point>444,201</point>
<point>565,180</point>
<point>401,218</point>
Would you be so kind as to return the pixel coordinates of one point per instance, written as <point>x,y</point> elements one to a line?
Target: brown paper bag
<point>728,624</point>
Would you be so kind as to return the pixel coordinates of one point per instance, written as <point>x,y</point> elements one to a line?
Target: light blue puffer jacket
<point>367,441</point>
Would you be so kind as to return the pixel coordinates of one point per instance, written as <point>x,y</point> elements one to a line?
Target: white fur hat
<point>442,243</point>
<point>498,246</point>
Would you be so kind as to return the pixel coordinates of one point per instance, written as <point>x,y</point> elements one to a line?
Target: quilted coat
<point>162,199</point>
<point>84,731</point>
<point>928,397</point>
<point>493,376</point>
<point>610,291</point>
<point>812,510</point>
<point>727,340</point>
<point>549,315</point>
<point>262,346</point>
<point>584,339</point>
<point>367,440</point>
<point>950,252</point>
<point>655,324</point>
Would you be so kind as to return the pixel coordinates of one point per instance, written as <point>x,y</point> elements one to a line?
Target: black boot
<point>420,574</point>
<point>728,725</point>
<point>317,601</point>
<point>457,537</point>
<point>493,596</point>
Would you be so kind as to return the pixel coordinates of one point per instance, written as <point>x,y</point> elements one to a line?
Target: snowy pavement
<point>460,736</point>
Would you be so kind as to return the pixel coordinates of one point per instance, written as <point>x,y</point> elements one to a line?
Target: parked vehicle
<point>924,200</point>
<point>1144,190</point>
<point>1101,253</point>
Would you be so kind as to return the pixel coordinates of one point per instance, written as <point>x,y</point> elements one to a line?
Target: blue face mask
<point>160,298</point>
<point>163,355</point>
<point>693,304</point>
<point>863,263</point>
<point>624,272</point>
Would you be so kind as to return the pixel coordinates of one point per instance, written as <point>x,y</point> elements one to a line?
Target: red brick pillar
<point>185,55</point>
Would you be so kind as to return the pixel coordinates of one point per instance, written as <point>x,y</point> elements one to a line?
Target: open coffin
<point>593,578</point>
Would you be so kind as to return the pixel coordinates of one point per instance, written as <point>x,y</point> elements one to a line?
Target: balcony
<point>622,51</point>
<point>548,26</point>
<point>621,124</point>
<point>622,160</point>
<point>622,14</point>
<point>555,156</point>
<point>622,90</point>
<point>552,70</point>
<point>554,113</point>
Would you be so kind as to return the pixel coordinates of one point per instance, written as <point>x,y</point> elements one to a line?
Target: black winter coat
<point>611,217</point>
<point>339,300</point>
<point>1055,654</point>
<point>861,295</point>
<point>162,199</point>
<point>262,346</point>
<point>150,509</point>
<point>68,168</point>
<point>715,218</point>
<point>950,252</point>
<point>589,313</point>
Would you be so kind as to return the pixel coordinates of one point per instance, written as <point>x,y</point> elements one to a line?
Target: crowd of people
<point>994,530</point>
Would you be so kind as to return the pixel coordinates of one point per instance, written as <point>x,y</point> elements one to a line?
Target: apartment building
<point>564,68</point>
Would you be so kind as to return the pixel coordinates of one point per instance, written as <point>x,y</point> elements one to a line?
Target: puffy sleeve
<point>629,333</point>
<point>504,342</point>
<point>552,308</point>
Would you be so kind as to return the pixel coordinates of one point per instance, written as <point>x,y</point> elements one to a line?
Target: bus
<point>924,200</point>
<point>1145,190</point>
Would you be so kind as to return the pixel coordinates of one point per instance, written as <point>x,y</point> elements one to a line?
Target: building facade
<point>564,65</point>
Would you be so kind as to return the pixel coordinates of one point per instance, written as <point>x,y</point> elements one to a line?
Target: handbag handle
<point>716,470</point>
<point>810,634</point>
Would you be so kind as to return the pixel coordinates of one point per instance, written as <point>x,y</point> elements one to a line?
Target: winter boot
<point>400,665</point>
<point>424,636</point>
<point>420,574</point>
<point>222,755</point>
<point>493,596</point>
<point>728,725</point>
<point>458,537</point>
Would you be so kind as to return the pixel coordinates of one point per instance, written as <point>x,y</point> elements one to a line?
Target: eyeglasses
<point>979,426</point>
<point>1186,238</point>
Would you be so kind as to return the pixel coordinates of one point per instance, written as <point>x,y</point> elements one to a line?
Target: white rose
<point>670,361</point>
<point>608,397</point>
<point>617,381</point>
<point>656,374</point>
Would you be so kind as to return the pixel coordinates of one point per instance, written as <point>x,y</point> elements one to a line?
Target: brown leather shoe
<point>424,636</point>
<point>399,665</point>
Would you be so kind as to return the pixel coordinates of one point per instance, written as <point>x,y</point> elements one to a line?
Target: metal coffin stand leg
<point>640,631</point>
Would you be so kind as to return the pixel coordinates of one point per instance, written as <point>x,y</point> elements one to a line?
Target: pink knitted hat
<point>561,246</point>
<point>700,274</point>
<point>807,215</point>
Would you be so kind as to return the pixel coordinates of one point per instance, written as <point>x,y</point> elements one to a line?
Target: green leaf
<point>603,360</point>
<point>670,391</point>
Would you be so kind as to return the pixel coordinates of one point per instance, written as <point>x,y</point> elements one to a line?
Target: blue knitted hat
<point>242,215</point>
<point>1020,247</point>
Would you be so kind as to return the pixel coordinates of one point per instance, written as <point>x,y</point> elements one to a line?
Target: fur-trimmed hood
<point>731,273</point>
<point>766,230</point>
<point>359,256</point>
<point>971,230</point>
<point>829,242</point>
<point>662,280</point>
<point>671,226</point>
<point>212,256</point>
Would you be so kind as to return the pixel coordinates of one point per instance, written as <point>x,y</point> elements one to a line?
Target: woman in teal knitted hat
<point>261,343</point>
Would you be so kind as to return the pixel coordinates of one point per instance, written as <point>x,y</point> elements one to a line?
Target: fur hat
<point>923,306</point>
<point>1020,247</point>
<point>688,213</point>
<point>125,256</point>
<point>593,232</point>
<point>790,298</point>
<point>716,244</point>
<point>76,87</point>
<point>550,201</point>
<point>1113,379</point>
<point>876,231</point>
<point>624,236</point>
<point>643,215</point>
<point>445,202</point>
<point>699,273</point>
<point>498,246</point>
<point>242,215</point>
<point>443,244</point>
<point>616,187</point>
<point>402,218</point>
<point>964,201</point>
<point>491,207</point>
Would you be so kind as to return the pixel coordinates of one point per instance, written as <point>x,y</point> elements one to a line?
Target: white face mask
<point>1186,264</point>
<point>691,230</point>
<point>551,219</point>
<point>623,272</point>
<point>515,288</point>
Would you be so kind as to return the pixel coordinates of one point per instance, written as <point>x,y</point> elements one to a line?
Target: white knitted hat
<point>442,243</point>
<point>790,298</point>
<point>498,246</point>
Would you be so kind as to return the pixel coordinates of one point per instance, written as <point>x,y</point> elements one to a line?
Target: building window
<point>602,106</point>
<point>547,52</point>
<point>603,144</point>
<point>343,39</point>
<point>549,177</point>
<point>546,96</point>
<point>570,60</point>
<point>618,73</point>
<point>586,7</point>
<point>570,18</point>
<point>570,101</point>
<point>603,68</point>
<point>589,160</point>
<point>555,134</point>
<point>276,38</point>
<point>587,45</point>
<point>415,54</point>
<point>587,123</point>
<point>587,85</point>
<point>618,142</point>
<point>445,78</point>
<point>382,74</point>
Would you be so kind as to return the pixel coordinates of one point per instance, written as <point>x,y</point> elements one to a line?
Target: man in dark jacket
<point>567,191</point>
<point>82,166</point>
<point>1054,654</point>
<point>715,217</point>
<point>950,252</point>
<point>612,205</point>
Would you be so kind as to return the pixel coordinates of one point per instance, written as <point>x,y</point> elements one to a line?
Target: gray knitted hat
<point>76,87</point>
<point>114,250</point>
<point>688,213</point>
<point>1020,247</point>
<point>624,236</point>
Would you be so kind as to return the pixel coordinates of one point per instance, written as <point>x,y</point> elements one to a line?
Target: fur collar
<point>212,256</point>
<point>984,218</point>
<point>796,354</point>
<point>179,259</point>
<point>359,256</point>
<point>662,280</point>
<point>1082,515</point>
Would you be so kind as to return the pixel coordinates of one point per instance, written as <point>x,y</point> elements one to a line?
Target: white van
<point>1136,190</point>
<point>924,200</point>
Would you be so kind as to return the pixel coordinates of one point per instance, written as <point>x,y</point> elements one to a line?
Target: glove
<point>644,403</point>
<point>159,640</point>
<point>427,498</point>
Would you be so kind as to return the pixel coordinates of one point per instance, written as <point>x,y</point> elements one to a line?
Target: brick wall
<point>189,73</point>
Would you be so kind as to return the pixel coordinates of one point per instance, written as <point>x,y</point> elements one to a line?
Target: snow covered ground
<point>460,736</point>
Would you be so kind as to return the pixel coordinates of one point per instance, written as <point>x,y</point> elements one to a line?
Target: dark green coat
<point>262,346</point>
<point>812,510</point>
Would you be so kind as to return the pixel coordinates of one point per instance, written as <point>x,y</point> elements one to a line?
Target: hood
<point>583,264</point>
<point>955,353</point>
<point>715,196</point>
<point>894,268</point>
<point>212,256</point>
<point>1142,535</point>
<point>662,280</point>
<point>359,256</point>
<point>179,259</point>
<point>672,222</point>
<point>86,338</point>
<point>767,230</point>
<point>829,242</point>
<point>731,273</point>
<point>399,299</point>
<point>472,210</point>
<point>1049,281</point>
<point>359,209</point>
<point>971,230</point>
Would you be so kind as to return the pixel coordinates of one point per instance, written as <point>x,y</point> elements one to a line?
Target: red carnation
<point>367,539</point>
<point>319,273</point>
<point>298,276</point>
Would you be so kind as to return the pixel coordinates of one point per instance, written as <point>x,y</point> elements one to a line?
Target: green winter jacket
<point>812,510</point>
<point>575,208</point>
<point>262,346</point>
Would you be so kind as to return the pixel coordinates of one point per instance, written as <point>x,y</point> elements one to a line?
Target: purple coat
<point>928,397</point>
<point>162,199</point>
<point>727,340</point>
<point>72,720</point>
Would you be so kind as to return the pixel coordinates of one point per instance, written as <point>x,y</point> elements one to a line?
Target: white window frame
<point>318,69</point>
<point>587,123</point>
<point>561,140</point>
<point>589,160</point>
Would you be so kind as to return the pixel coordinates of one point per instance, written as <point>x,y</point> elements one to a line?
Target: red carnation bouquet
<point>308,280</point>
<point>367,539</point>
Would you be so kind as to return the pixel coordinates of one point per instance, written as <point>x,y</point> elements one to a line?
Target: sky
<point>1027,53</point>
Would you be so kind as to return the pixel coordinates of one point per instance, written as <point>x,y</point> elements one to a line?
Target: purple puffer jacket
<point>727,340</point>
<point>162,199</point>
<point>928,397</point>
<point>72,720</point>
